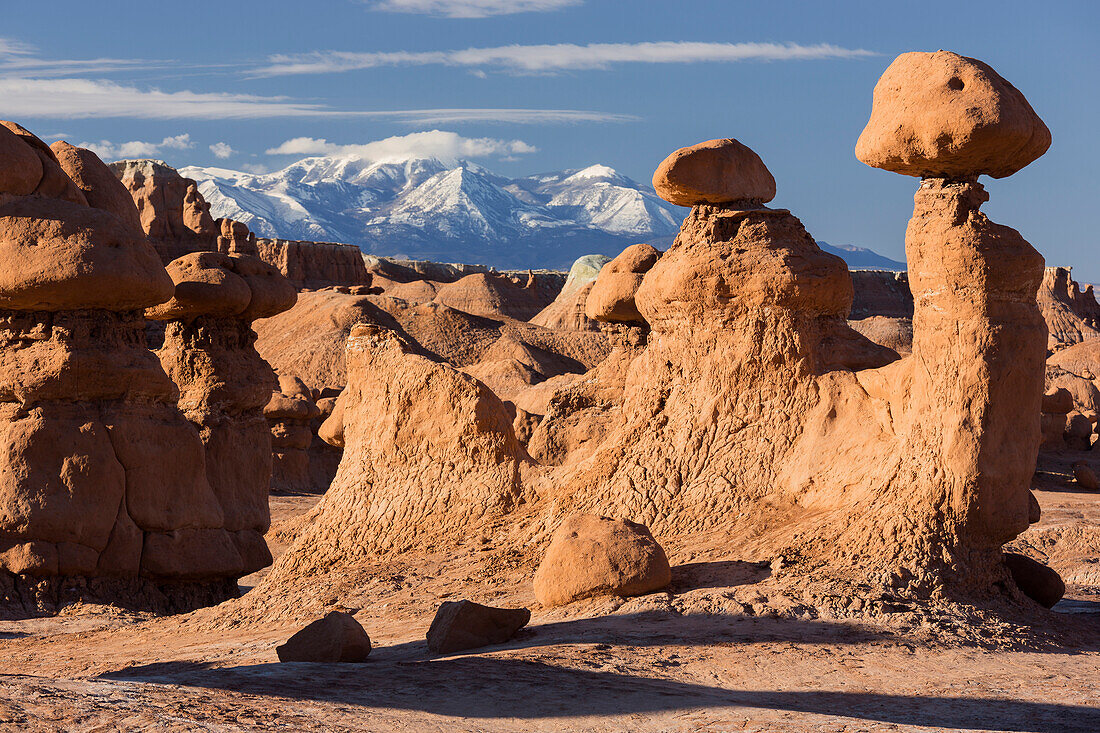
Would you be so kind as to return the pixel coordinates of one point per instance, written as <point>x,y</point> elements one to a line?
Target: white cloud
<point>472,8</point>
<point>136,148</point>
<point>430,144</point>
<point>222,150</point>
<point>557,57</point>
<point>78,98</point>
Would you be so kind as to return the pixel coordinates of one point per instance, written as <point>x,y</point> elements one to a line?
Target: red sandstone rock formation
<point>105,479</point>
<point>234,238</point>
<point>755,401</point>
<point>1072,316</point>
<point>493,295</point>
<point>224,384</point>
<point>566,312</point>
<point>289,413</point>
<point>428,452</point>
<point>173,213</point>
<point>315,265</point>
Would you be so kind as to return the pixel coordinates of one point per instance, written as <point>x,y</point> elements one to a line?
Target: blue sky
<point>223,83</point>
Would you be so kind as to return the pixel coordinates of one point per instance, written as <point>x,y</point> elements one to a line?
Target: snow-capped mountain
<point>457,211</point>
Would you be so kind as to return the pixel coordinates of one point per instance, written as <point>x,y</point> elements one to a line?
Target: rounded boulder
<point>714,172</point>
<point>592,556</point>
<point>942,115</point>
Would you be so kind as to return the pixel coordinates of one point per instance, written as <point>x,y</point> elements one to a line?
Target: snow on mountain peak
<point>456,211</point>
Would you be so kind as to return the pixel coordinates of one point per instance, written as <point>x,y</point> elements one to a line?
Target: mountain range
<point>449,211</point>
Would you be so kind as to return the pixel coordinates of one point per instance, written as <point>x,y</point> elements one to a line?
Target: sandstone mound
<point>1072,316</point>
<point>492,295</point>
<point>1081,359</point>
<point>590,555</point>
<point>714,172</point>
<point>417,291</point>
<point>611,299</point>
<point>511,365</point>
<point>429,454</point>
<point>567,311</point>
<point>173,213</point>
<point>308,340</point>
<point>104,478</point>
<point>893,333</point>
<point>224,384</point>
<point>941,115</point>
<point>33,168</point>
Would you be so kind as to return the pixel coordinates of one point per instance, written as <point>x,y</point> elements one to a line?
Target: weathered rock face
<point>428,452</point>
<point>224,384</point>
<point>315,265</point>
<point>234,238</point>
<point>590,556</point>
<point>173,213</point>
<point>290,413</point>
<point>941,115</point>
<point>881,293</point>
<point>1071,316</point>
<point>97,182</point>
<point>612,297</point>
<point>103,477</point>
<point>714,172</point>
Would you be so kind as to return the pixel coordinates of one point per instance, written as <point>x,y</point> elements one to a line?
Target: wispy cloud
<point>430,144</point>
<point>137,148</point>
<point>548,58</point>
<point>504,116</point>
<point>23,59</point>
<point>88,98</point>
<point>222,150</point>
<point>472,8</point>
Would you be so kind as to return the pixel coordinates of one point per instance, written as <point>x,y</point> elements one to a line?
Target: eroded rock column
<point>224,384</point>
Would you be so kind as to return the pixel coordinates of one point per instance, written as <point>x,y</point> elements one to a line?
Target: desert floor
<point>727,649</point>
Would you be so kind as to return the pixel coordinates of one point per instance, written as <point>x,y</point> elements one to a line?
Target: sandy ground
<point>730,647</point>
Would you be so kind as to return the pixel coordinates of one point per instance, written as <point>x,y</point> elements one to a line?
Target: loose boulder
<point>337,637</point>
<point>1037,581</point>
<point>1085,476</point>
<point>591,556</point>
<point>464,624</point>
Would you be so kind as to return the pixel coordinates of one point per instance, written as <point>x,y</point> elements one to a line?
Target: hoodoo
<point>102,478</point>
<point>755,407</point>
<point>224,384</point>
